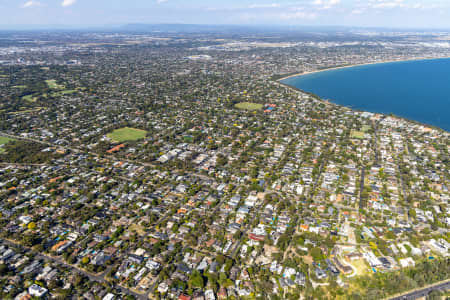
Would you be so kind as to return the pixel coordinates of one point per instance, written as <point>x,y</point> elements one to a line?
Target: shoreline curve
<point>279,81</point>
<point>358,65</point>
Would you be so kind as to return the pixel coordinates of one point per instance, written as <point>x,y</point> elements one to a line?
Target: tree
<point>3,269</point>
<point>118,232</point>
<point>316,254</point>
<point>390,235</point>
<point>220,259</point>
<point>31,225</point>
<point>78,280</point>
<point>196,280</point>
<point>85,260</point>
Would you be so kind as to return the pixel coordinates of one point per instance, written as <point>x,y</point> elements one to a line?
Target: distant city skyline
<point>359,13</point>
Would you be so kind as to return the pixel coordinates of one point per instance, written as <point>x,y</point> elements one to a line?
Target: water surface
<point>416,90</point>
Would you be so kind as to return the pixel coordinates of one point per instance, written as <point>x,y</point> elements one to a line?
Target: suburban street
<point>93,277</point>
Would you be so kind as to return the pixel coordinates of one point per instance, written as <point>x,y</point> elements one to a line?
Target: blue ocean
<point>416,90</point>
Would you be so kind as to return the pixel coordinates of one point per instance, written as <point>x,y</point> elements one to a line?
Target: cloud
<point>326,4</point>
<point>393,4</point>
<point>161,1</point>
<point>358,11</point>
<point>298,14</point>
<point>66,3</point>
<point>387,4</point>
<point>269,5</point>
<point>245,9</point>
<point>31,3</point>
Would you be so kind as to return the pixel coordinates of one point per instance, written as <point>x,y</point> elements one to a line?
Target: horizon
<point>123,27</point>
<point>55,14</point>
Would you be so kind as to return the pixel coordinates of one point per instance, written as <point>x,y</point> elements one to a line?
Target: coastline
<point>359,65</point>
<point>279,81</point>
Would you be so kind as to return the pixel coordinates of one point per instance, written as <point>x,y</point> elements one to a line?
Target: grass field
<point>357,134</point>
<point>29,98</point>
<point>365,128</point>
<point>68,92</point>
<point>53,85</point>
<point>62,93</point>
<point>361,267</point>
<point>19,86</point>
<point>3,141</point>
<point>249,106</point>
<point>25,111</point>
<point>127,134</point>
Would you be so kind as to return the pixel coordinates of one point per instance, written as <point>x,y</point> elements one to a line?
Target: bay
<point>418,90</point>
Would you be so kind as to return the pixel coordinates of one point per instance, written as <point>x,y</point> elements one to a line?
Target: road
<point>74,149</point>
<point>375,141</point>
<point>80,150</point>
<point>445,286</point>
<point>20,165</point>
<point>112,158</point>
<point>361,187</point>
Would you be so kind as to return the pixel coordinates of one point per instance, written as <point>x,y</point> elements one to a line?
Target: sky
<point>359,13</point>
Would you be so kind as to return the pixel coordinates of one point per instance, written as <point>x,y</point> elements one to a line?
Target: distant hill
<point>187,28</point>
<point>198,28</point>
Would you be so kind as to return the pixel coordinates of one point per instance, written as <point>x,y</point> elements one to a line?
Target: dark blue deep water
<point>416,90</point>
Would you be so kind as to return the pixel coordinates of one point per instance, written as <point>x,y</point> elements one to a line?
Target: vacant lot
<point>249,106</point>
<point>127,134</point>
<point>138,228</point>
